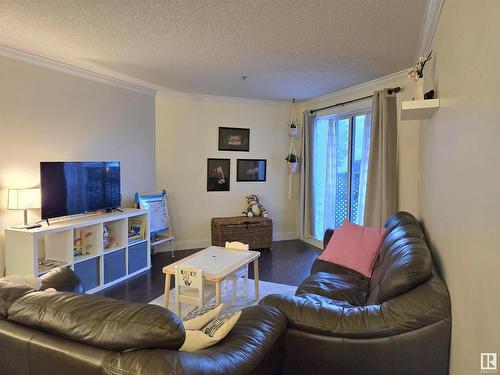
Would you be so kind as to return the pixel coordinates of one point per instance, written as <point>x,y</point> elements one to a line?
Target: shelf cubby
<point>117,230</point>
<point>53,250</point>
<point>137,225</point>
<point>115,266</point>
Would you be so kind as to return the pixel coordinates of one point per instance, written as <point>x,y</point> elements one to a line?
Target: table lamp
<point>23,199</point>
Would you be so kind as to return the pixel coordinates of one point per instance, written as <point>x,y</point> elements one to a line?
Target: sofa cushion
<point>399,219</point>
<point>255,340</point>
<point>62,280</point>
<point>99,321</point>
<point>322,266</point>
<point>322,300</point>
<point>9,293</point>
<point>403,266</point>
<point>354,246</point>
<point>348,288</point>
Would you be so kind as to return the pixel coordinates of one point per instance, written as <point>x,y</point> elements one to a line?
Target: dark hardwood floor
<point>289,262</point>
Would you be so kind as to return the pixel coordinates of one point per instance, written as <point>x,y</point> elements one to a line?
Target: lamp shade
<point>22,199</point>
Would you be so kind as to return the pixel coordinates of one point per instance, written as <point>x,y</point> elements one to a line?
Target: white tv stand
<point>100,267</point>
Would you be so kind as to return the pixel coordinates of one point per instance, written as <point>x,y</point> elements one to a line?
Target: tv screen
<point>70,188</point>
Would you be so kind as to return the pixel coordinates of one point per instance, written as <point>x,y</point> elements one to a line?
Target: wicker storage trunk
<point>254,231</point>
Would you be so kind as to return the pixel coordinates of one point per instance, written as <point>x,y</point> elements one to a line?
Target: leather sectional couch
<point>397,322</point>
<point>339,322</point>
<point>68,333</point>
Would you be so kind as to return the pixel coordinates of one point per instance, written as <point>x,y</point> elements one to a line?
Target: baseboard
<point>195,244</point>
<point>285,236</point>
<point>314,242</point>
<point>198,244</point>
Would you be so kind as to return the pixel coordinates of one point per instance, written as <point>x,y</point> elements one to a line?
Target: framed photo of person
<point>234,139</point>
<point>218,174</point>
<point>251,170</point>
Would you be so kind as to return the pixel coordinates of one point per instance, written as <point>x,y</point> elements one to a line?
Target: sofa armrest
<point>327,236</point>
<point>420,307</point>
<point>62,280</point>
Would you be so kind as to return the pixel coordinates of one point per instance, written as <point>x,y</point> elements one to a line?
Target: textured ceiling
<point>287,48</point>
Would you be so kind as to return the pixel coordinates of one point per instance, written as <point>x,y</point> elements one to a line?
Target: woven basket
<point>257,232</point>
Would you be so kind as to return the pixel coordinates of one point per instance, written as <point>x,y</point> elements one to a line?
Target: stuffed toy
<point>107,239</point>
<point>254,207</point>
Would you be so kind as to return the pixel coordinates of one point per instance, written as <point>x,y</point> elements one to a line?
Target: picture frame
<point>218,174</point>
<point>251,170</point>
<point>234,139</point>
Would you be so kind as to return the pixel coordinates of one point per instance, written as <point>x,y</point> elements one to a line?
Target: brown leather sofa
<point>68,333</point>
<point>397,322</point>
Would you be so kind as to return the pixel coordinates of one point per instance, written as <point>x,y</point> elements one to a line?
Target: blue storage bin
<point>137,257</point>
<point>114,265</point>
<point>88,272</point>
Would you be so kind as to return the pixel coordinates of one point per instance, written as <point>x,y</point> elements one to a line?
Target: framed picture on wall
<point>234,139</point>
<point>218,174</point>
<point>251,170</point>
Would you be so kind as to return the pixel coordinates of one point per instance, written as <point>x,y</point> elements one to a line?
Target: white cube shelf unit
<point>99,265</point>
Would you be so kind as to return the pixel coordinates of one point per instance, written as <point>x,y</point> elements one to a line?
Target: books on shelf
<point>136,229</point>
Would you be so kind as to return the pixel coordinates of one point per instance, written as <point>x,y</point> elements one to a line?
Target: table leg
<point>217,292</point>
<point>256,277</point>
<point>167,289</point>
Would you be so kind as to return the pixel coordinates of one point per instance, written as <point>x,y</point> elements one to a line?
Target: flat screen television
<point>70,188</point>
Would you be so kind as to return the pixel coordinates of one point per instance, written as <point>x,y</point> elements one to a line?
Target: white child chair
<point>242,272</point>
<point>188,286</point>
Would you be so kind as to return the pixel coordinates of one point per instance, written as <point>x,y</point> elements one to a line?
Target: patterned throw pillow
<point>200,316</point>
<point>211,328</point>
<point>210,334</point>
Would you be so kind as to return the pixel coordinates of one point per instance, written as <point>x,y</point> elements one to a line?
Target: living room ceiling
<point>286,48</point>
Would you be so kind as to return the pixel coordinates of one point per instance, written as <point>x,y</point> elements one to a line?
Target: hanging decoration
<point>292,158</point>
<point>416,73</point>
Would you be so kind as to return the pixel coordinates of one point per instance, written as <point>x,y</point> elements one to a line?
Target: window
<point>340,151</point>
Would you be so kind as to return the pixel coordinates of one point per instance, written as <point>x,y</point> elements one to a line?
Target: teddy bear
<point>254,207</point>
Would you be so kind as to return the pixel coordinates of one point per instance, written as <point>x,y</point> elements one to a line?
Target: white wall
<point>408,132</point>
<point>460,180</point>
<point>187,134</point>
<point>49,115</point>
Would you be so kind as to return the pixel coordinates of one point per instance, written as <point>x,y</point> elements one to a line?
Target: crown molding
<point>431,18</point>
<point>171,93</point>
<point>127,83</point>
<point>74,70</point>
<point>357,88</point>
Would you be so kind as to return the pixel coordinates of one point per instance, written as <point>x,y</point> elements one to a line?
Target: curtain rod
<point>390,91</point>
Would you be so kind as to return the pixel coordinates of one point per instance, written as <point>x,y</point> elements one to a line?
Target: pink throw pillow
<point>355,247</point>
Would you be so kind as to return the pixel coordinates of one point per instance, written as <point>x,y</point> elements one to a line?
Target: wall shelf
<point>98,267</point>
<point>418,109</point>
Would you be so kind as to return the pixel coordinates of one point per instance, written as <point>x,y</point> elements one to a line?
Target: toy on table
<point>254,207</point>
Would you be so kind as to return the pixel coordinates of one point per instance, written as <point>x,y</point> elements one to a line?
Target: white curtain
<point>363,177</point>
<point>331,161</point>
<point>306,208</point>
